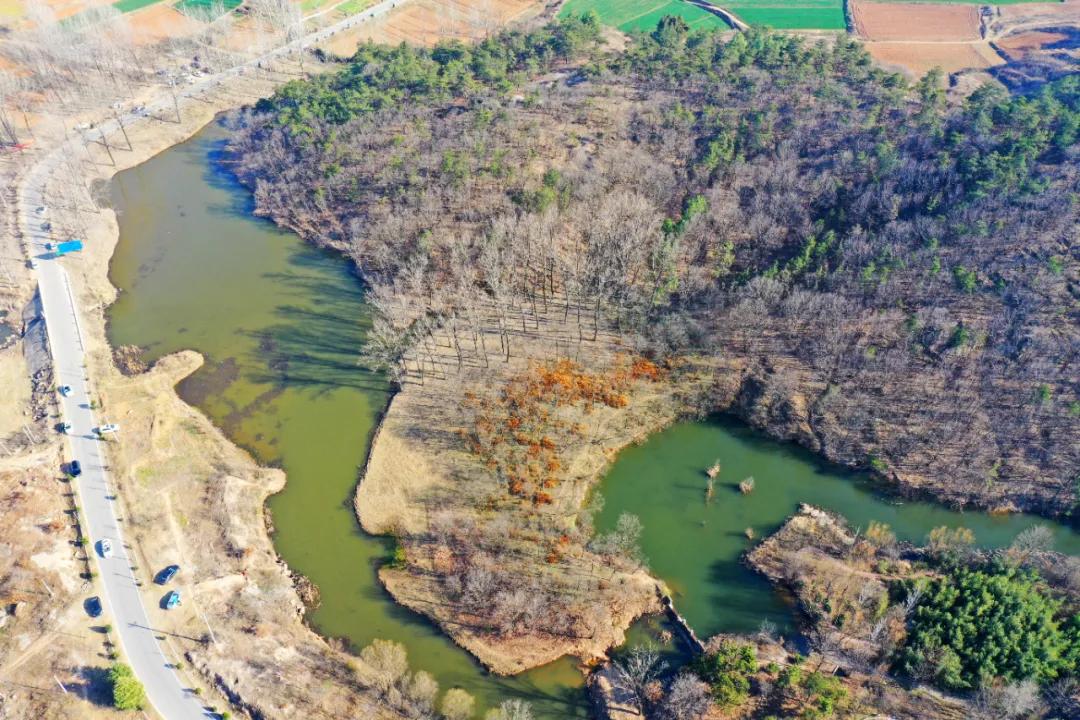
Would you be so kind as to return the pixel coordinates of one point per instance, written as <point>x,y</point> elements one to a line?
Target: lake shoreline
<point>91,283</point>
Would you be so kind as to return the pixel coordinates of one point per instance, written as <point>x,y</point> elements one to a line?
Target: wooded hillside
<point>887,278</point>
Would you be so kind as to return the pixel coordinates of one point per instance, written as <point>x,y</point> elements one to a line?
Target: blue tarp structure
<point>69,246</point>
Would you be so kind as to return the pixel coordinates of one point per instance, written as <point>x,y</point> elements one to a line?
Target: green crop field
<point>205,9</point>
<point>126,6</point>
<point>787,14</point>
<point>643,14</point>
<point>790,14</point>
<point>970,2</point>
<point>351,7</point>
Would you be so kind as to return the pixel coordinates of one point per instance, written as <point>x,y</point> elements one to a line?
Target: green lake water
<point>696,546</point>
<point>280,325</point>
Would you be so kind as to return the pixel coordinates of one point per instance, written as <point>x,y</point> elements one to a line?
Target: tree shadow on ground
<point>94,686</point>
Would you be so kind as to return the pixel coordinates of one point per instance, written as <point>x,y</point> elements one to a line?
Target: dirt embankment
<point>426,22</point>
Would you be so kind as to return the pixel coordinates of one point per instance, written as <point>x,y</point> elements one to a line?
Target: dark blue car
<point>93,606</point>
<point>167,574</point>
<point>74,468</point>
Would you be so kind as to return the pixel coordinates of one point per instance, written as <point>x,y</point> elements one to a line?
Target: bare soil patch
<point>1033,40</point>
<point>67,8</point>
<point>1034,15</point>
<point>426,22</point>
<point>916,59</point>
<point>45,635</point>
<point>15,400</point>
<point>158,22</point>
<point>915,21</point>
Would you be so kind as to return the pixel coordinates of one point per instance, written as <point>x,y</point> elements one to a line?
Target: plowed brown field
<point>919,58</point>
<point>915,21</point>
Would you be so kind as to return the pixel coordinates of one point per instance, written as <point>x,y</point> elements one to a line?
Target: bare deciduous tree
<point>687,699</point>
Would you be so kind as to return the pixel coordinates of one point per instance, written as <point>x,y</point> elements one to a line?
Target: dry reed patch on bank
<point>483,474</point>
<point>15,400</point>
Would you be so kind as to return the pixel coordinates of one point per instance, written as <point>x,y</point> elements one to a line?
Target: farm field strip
<point>804,16</point>
<point>202,9</point>
<point>784,14</point>
<point>909,21</point>
<point>972,2</point>
<point>350,7</point>
<point>643,14</point>
<point>126,6</point>
<point>920,57</point>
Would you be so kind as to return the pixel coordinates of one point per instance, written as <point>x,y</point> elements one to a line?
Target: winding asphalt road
<point>137,638</point>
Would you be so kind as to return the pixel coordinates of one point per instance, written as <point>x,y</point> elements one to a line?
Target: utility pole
<point>120,122</point>
<point>172,91</point>
<point>105,142</point>
<point>206,622</point>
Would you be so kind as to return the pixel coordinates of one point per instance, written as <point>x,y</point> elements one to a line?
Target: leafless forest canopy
<point>884,276</point>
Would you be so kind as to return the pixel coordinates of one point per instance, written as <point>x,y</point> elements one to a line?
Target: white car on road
<point>105,548</point>
<point>107,428</point>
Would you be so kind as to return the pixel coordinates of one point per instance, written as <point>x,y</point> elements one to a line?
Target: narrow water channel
<point>280,325</point>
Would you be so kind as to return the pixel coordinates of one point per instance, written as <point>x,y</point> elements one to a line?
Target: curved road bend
<point>164,688</point>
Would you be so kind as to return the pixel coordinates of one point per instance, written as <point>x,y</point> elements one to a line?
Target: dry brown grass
<point>423,458</point>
